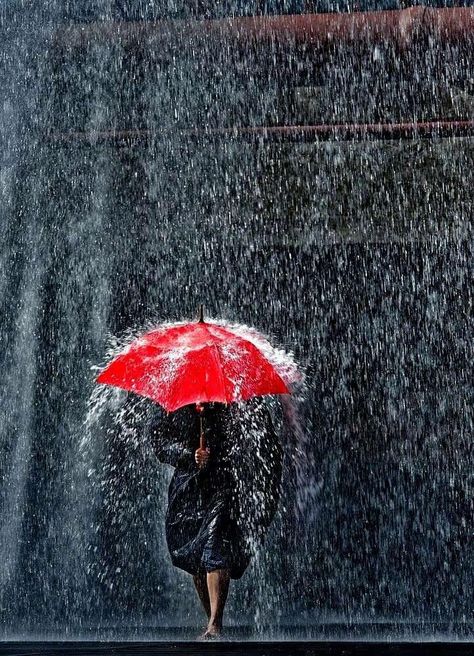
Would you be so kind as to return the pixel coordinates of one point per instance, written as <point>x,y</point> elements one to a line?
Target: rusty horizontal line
<point>402,26</point>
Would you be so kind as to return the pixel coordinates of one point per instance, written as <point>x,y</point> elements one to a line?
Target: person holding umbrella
<point>219,437</point>
<point>215,515</point>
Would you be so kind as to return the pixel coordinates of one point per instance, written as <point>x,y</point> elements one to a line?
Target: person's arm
<point>166,446</point>
<point>174,453</point>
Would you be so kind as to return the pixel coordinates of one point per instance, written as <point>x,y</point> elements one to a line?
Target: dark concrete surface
<point>233,648</point>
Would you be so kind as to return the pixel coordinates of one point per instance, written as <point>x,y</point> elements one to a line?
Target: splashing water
<point>139,178</point>
<point>115,415</point>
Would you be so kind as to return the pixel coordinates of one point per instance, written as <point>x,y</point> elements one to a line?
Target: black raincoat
<point>219,514</point>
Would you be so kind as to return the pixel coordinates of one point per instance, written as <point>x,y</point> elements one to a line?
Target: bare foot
<point>212,632</point>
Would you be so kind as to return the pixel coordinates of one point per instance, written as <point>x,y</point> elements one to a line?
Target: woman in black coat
<point>221,499</point>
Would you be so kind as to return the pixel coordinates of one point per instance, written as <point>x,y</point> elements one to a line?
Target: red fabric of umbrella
<point>193,363</point>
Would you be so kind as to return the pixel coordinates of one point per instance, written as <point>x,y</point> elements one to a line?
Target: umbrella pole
<point>202,444</point>
<point>202,439</point>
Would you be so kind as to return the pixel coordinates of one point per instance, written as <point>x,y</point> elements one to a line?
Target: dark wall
<point>358,256</point>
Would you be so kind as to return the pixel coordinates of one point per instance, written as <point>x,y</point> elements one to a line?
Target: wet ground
<point>331,639</point>
<point>320,633</point>
<point>284,648</point>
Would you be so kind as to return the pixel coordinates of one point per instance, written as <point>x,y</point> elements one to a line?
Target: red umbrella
<point>194,362</point>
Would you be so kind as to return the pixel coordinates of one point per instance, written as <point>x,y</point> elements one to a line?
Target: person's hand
<point>201,457</point>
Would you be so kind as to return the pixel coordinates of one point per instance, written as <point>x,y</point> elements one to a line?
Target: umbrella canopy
<point>194,362</point>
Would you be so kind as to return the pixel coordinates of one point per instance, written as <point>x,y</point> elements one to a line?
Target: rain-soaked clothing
<point>217,515</point>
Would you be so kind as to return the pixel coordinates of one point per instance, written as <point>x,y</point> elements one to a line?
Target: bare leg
<point>201,586</point>
<point>218,586</point>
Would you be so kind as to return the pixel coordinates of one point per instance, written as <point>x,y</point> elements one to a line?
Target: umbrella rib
<point>220,368</point>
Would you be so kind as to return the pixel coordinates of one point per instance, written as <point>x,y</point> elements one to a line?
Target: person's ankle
<point>215,624</point>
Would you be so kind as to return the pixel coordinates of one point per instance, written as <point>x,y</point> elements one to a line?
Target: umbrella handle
<point>202,439</point>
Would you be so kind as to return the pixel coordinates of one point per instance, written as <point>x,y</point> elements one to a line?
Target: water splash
<point>128,415</point>
<point>121,204</point>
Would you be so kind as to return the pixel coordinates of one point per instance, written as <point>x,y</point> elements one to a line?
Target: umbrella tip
<point>201,313</point>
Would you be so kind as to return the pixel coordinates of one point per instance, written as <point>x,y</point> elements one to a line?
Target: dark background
<point>356,255</point>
